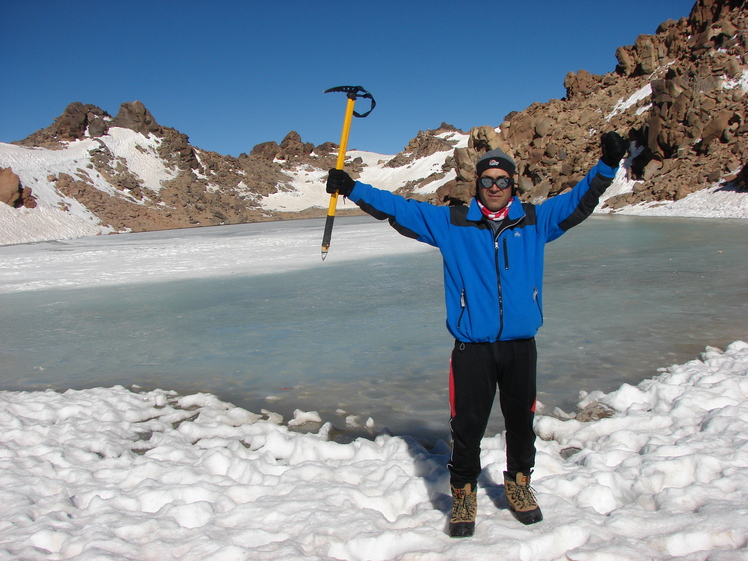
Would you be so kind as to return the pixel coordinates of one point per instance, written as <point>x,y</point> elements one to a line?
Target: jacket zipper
<point>498,284</point>
<point>498,270</point>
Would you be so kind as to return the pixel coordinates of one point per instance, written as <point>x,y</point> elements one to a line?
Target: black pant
<point>476,371</point>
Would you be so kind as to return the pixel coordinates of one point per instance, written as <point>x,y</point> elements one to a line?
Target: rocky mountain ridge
<point>679,95</point>
<point>207,188</point>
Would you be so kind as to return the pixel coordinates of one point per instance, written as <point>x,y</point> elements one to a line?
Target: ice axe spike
<point>353,92</point>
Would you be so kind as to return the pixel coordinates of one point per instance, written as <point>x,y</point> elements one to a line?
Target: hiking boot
<point>521,498</point>
<point>464,507</point>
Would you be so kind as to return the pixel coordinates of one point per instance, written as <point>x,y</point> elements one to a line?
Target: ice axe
<point>353,93</point>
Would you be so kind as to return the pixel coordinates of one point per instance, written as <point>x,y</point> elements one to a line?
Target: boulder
<point>265,150</point>
<point>543,126</point>
<point>10,187</point>
<point>27,198</point>
<point>626,61</point>
<point>594,412</point>
<point>135,116</point>
<point>517,131</point>
<point>715,128</point>
<point>326,149</point>
<point>484,139</point>
<point>652,169</point>
<point>464,162</point>
<point>12,193</point>
<point>71,125</point>
<point>537,193</point>
<point>648,54</point>
<point>741,181</point>
<point>292,147</point>
<point>97,127</point>
<point>76,120</point>
<point>580,83</point>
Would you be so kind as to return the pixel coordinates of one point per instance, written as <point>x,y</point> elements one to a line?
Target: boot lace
<point>464,505</point>
<point>522,497</point>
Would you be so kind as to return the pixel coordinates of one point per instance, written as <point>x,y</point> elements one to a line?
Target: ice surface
<point>251,314</point>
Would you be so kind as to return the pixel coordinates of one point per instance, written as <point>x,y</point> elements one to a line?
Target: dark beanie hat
<point>495,159</point>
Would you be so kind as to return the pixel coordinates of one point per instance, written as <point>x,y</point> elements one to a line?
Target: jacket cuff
<point>354,194</point>
<point>605,169</point>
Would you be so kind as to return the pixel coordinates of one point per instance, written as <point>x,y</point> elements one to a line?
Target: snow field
<point>111,473</point>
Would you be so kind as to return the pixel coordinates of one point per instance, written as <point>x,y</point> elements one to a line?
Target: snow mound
<point>113,473</point>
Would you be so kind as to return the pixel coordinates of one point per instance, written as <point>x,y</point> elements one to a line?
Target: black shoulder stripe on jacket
<point>402,230</point>
<point>458,217</point>
<point>379,215</point>
<point>368,209</point>
<point>588,202</point>
<point>530,217</point>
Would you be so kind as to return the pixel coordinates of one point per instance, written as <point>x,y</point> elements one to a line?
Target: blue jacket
<point>493,281</point>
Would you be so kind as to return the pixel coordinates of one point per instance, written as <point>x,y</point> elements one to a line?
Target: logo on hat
<point>493,163</point>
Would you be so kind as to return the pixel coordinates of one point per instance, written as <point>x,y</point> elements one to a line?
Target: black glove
<point>339,181</point>
<point>614,148</point>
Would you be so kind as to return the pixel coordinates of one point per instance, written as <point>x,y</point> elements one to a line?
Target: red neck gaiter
<point>498,215</point>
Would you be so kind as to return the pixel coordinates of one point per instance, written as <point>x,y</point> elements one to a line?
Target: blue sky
<point>232,74</point>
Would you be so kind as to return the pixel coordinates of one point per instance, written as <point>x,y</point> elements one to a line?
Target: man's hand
<point>614,148</point>
<point>339,181</point>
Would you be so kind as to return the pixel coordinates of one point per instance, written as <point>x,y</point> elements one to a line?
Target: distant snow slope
<point>58,216</point>
<point>308,182</point>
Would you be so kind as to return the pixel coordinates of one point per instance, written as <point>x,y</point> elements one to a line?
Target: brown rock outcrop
<point>135,116</point>
<point>75,121</point>
<point>12,193</point>
<point>291,147</point>
<point>293,151</point>
<point>10,187</point>
<point>581,83</point>
<point>176,149</point>
<point>691,132</point>
<point>424,144</point>
<point>266,151</point>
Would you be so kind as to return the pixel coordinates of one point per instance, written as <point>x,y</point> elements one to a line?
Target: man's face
<point>494,199</point>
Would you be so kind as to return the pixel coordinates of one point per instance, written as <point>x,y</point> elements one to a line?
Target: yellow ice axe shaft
<point>327,236</point>
<point>353,93</point>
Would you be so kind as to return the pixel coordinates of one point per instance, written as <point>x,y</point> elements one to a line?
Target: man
<point>493,271</point>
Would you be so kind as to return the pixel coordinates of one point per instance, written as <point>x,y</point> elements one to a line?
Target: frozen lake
<point>250,313</point>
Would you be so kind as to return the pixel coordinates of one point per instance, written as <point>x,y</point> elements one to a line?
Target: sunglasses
<point>500,182</point>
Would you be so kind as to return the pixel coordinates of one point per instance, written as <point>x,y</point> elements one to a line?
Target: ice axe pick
<point>353,92</point>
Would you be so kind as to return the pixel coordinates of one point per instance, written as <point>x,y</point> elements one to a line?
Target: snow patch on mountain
<point>141,154</point>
